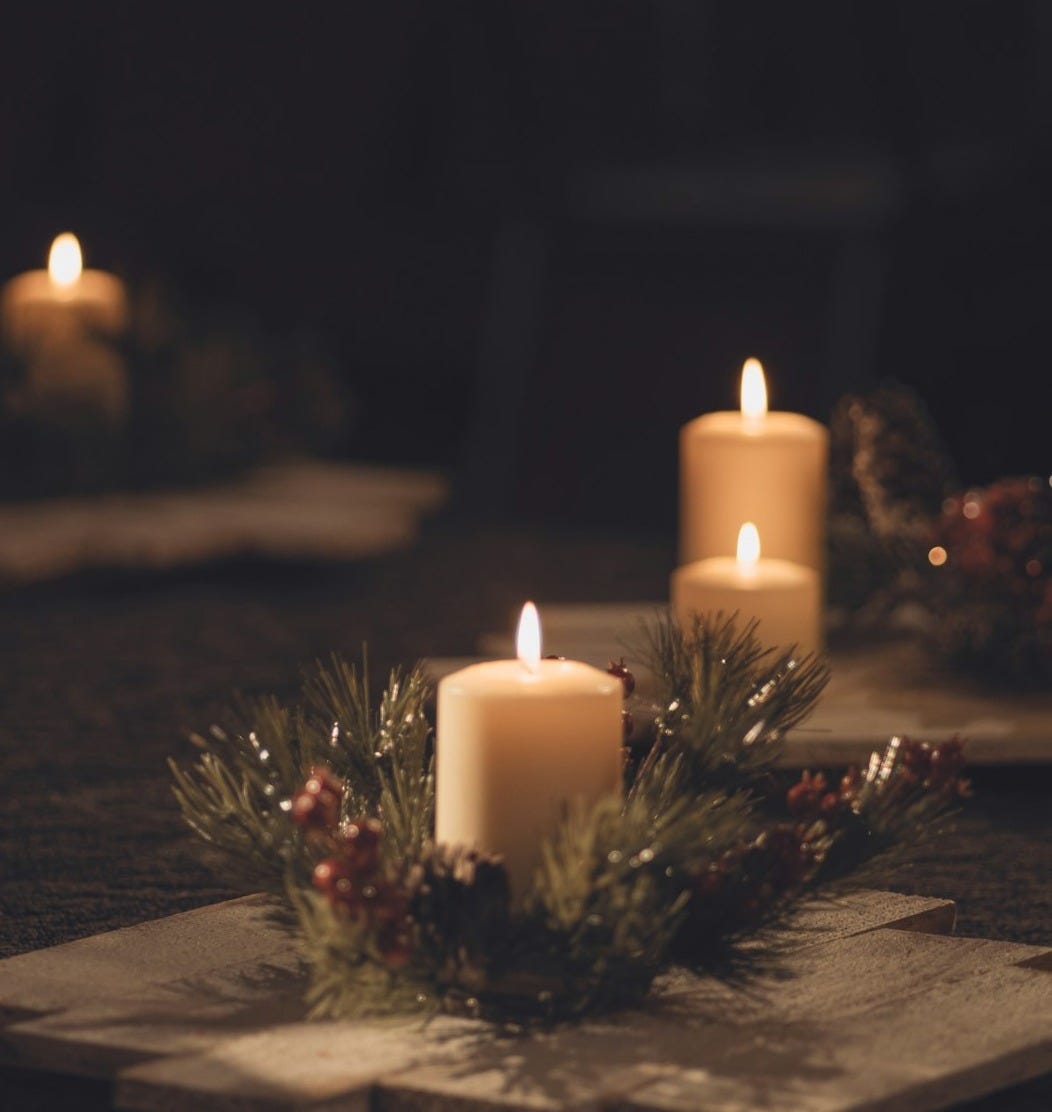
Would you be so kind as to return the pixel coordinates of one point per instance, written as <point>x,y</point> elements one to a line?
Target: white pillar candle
<point>516,742</point>
<point>784,596</point>
<point>769,468</point>
<point>61,303</point>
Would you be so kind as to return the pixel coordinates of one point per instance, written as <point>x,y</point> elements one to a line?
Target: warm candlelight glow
<point>748,547</point>
<point>754,390</point>
<point>528,639</point>
<point>64,262</point>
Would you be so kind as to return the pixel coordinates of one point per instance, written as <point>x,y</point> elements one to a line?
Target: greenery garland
<point>329,806</point>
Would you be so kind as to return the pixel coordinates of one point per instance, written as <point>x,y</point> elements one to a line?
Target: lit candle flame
<point>528,639</point>
<point>748,548</point>
<point>64,263</point>
<point>754,390</point>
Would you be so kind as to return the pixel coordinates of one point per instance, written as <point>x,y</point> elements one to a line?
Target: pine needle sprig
<point>238,796</point>
<point>235,797</point>
<point>725,701</point>
<point>349,979</point>
<point>405,769</point>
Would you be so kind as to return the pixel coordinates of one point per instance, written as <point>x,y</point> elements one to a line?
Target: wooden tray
<point>876,691</point>
<point>870,1009</point>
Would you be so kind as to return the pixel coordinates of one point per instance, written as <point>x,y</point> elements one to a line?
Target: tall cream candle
<point>517,741</point>
<point>784,596</point>
<point>752,465</point>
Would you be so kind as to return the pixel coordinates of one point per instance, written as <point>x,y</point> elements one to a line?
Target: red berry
<point>337,879</point>
<point>395,943</point>
<point>621,671</point>
<point>359,843</point>
<point>807,794</point>
<point>323,779</point>
<point>384,902</point>
<point>316,810</point>
<point>317,805</point>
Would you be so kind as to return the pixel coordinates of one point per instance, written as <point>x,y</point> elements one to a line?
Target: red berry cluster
<point>813,795</point>
<point>745,881</point>
<point>919,767</point>
<point>999,541</point>
<point>934,768</point>
<point>354,883</point>
<point>351,876</point>
<point>317,805</point>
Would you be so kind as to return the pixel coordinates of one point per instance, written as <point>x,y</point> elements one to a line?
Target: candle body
<point>63,333</point>
<point>514,747</point>
<point>769,470</point>
<point>34,308</point>
<point>785,597</point>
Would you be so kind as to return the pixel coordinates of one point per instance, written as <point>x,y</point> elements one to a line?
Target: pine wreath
<point>329,806</point>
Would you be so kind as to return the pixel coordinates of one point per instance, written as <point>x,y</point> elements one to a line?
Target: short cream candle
<point>518,741</point>
<point>58,304</point>
<point>783,596</point>
<point>769,468</point>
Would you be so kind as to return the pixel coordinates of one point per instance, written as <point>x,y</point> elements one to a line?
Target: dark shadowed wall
<point>541,236</point>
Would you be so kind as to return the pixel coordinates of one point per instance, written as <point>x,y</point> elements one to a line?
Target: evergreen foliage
<point>330,806</point>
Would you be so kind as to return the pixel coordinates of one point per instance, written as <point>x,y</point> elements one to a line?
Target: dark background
<point>542,236</point>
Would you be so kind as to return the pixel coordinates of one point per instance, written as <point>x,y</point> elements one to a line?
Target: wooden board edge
<point>37,1053</point>
<point>940,919</point>
<point>132,1093</point>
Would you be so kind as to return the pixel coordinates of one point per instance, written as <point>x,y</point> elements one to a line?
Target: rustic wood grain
<point>884,1019</point>
<point>204,1011</point>
<point>174,985</point>
<point>128,961</point>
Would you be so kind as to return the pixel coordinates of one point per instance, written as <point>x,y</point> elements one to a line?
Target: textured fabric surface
<point>101,679</point>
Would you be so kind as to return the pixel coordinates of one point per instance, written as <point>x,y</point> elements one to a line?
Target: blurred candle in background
<point>752,465</point>
<point>63,323</point>
<point>783,596</point>
<point>62,301</point>
<point>517,742</point>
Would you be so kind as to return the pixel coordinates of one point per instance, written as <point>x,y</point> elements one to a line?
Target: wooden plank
<point>177,1017</point>
<point>876,690</point>
<point>958,1039</point>
<point>307,1064</point>
<point>176,984</point>
<point>125,962</point>
<point>781,1037</point>
<point>304,1065</point>
<point>887,1016</point>
<point>824,920</point>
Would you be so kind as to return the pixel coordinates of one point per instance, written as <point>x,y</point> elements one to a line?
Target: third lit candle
<point>783,596</point>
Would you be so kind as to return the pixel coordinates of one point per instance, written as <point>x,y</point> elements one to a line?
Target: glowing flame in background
<point>748,548</point>
<point>64,262</point>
